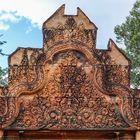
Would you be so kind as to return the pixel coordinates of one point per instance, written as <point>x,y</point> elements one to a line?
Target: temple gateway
<point>68,89</point>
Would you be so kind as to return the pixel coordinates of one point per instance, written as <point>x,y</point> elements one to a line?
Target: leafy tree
<point>3,77</point>
<point>129,34</point>
<point>3,72</point>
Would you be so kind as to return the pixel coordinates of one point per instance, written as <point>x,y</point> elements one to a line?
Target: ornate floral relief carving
<point>4,91</point>
<point>70,96</point>
<point>8,111</point>
<point>69,99</point>
<point>70,31</point>
<point>27,75</point>
<point>136,104</point>
<point>123,95</point>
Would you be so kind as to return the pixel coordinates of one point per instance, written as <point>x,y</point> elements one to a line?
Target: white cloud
<point>29,29</point>
<point>9,16</point>
<point>4,26</point>
<point>36,11</point>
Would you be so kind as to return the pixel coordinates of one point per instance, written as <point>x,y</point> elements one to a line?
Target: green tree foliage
<point>129,34</point>
<point>3,72</point>
<point>3,77</point>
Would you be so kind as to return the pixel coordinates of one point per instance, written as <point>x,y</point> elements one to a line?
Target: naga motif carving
<point>69,84</point>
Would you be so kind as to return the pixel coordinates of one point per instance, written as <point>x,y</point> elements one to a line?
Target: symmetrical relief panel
<point>69,84</point>
<point>69,98</point>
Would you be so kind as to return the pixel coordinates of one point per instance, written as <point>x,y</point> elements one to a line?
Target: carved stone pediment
<point>69,84</point>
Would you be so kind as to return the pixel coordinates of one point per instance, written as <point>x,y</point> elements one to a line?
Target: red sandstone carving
<point>69,84</point>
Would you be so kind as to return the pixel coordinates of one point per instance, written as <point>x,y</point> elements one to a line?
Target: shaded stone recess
<point>69,84</point>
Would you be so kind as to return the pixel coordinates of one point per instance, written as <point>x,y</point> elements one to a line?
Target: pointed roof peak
<point>80,12</point>
<point>112,45</point>
<point>60,13</point>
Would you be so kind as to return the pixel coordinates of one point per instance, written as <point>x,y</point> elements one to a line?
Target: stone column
<point>138,135</point>
<point>1,134</point>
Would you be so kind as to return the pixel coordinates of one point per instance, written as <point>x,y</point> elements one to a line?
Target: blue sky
<point>21,20</point>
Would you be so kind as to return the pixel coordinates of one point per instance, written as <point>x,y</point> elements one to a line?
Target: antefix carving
<point>69,84</point>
